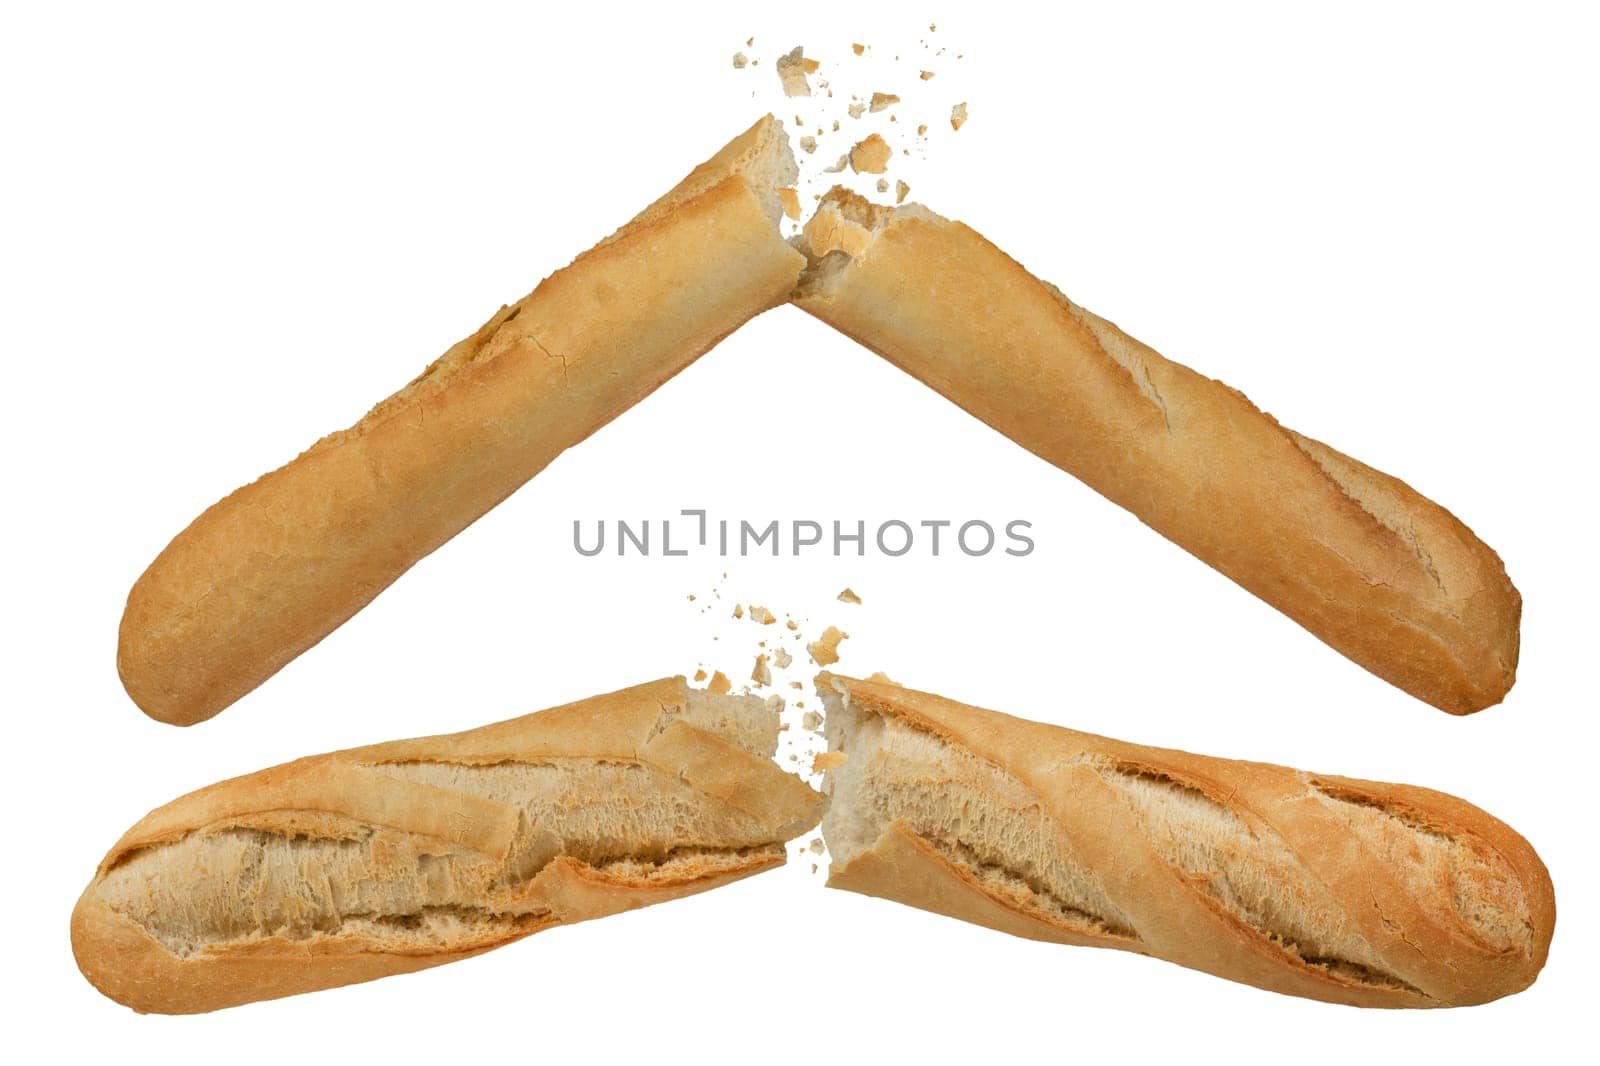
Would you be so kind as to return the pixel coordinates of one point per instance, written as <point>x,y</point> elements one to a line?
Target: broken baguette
<point>389,859</point>
<point>1340,890</point>
<point>1382,574</point>
<point>272,569</point>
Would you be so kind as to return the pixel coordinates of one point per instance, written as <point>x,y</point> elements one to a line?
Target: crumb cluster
<point>853,100</point>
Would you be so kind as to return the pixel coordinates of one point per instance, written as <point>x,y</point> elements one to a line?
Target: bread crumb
<point>870,156</point>
<point>762,615</point>
<point>761,675</point>
<point>828,760</point>
<point>812,66</point>
<point>738,610</point>
<point>781,658</point>
<point>791,207</point>
<point>843,162</point>
<point>798,685</point>
<point>825,649</point>
<point>856,110</point>
<point>691,597</point>
<point>740,61</point>
<point>922,130</point>
<point>792,72</point>
<point>958,116</point>
<point>883,101</point>
<point>792,624</point>
<point>830,231</point>
<point>699,675</point>
<point>720,685</point>
<point>815,845</point>
<point>808,144</point>
<point>926,75</point>
<point>775,704</point>
<point>812,721</point>
<point>883,184</point>
<point>858,48</point>
<point>901,189</point>
<point>849,595</point>
<point>813,867</point>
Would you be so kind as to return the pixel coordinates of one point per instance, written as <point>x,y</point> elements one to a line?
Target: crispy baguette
<point>392,858</point>
<point>1341,890</point>
<point>1366,564</point>
<point>279,564</point>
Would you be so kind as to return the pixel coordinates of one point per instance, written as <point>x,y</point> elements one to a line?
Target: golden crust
<point>1365,563</point>
<point>348,795</point>
<point>274,567</point>
<point>1429,954</point>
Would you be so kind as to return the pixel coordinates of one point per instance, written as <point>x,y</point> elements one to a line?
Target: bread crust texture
<point>396,857</point>
<point>1361,560</point>
<point>267,572</point>
<point>1331,888</point>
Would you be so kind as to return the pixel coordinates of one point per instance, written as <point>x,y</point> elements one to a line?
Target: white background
<point>226,233</point>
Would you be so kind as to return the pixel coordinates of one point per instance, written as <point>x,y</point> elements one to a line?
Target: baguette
<point>1335,889</point>
<point>389,859</point>
<point>278,565</point>
<point>1366,564</point>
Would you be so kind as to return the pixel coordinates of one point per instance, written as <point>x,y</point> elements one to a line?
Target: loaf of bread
<point>388,859</point>
<point>1348,891</point>
<point>279,564</point>
<point>1379,572</point>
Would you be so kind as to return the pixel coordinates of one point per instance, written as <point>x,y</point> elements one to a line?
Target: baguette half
<point>279,564</point>
<point>1379,572</point>
<point>1335,889</point>
<point>389,859</point>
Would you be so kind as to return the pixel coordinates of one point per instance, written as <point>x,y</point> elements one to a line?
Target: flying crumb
<point>836,125</point>
<point>798,685</point>
<point>858,48</point>
<point>883,184</point>
<point>849,595</point>
<point>699,675</point>
<point>900,191</point>
<point>883,101</point>
<point>856,110</point>
<point>932,27</point>
<point>792,624</point>
<point>740,61</point>
<point>762,615</point>
<point>761,675</point>
<point>812,721</point>
<point>791,207</point>
<point>958,116</point>
<point>691,597</point>
<point>813,867</point>
<point>828,760</point>
<point>781,658</point>
<point>926,75</point>
<point>808,144</point>
<point>738,610</point>
<point>815,845</point>
<point>775,703</point>
<point>922,130</point>
<point>811,67</point>
<point>843,162</point>
<point>792,72</point>
<point>720,685</point>
<point>870,156</point>
<point>825,649</point>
